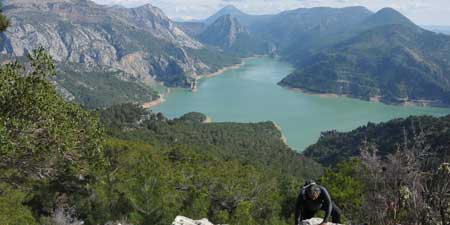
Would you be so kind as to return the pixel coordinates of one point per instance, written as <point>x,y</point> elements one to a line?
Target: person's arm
<point>298,207</point>
<point>327,201</point>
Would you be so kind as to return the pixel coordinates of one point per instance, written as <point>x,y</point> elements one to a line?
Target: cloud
<point>429,12</point>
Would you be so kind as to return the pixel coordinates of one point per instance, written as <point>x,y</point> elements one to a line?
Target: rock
<point>315,221</point>
<point>181,220</point>
<point>141,41</point>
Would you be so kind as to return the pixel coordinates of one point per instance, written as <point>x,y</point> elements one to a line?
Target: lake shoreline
<point>161,99</point>
<point>156,102</point>
<point>375,99</point>
<point>283,138</point>
<point>251,94</point>
<point>227,68</point>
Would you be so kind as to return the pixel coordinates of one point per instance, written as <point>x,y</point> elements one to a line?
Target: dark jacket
<point>304,203</point>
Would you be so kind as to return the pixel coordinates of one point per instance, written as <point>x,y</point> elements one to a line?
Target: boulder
<point>316,221</point>
<point>181,220</point>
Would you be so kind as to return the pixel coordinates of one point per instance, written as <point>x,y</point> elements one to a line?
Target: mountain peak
<point>229,9</point>
<point>387,16</point>
<point>223,31</point>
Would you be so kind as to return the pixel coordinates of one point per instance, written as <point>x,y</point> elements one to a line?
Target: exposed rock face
<point>141,41</point>
<point>315,221</point>
<point>229,35</point>
<point>223,32</point>
<point>181,220</point>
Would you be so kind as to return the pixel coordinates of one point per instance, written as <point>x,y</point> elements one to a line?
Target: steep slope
<point>334,147</point>
<point>257,144</point>
<point>306,28</point>
<point>228,34</point>
<point>391,63</point>
<point>386,16</point>
<point>192,28</point>
<point>141,41</point>
<point>100,87</point>
<point>242,17</point>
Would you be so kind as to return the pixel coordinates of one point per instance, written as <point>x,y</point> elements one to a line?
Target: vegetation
<point>97,87</point>
<point>334,147</point>
<point>257,144</point>
<point>56,167</point>
<point>408,186</point>
<point>389,173</point>
<point>4,22</point>
<point>151,184</point>
<point>393,63</point>
<point>49,149</point>
<point>214,59</point>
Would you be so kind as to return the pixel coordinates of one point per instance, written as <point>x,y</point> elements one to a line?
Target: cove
<point>251,94</point>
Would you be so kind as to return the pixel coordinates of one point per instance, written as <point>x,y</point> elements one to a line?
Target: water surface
<point>250,94</point>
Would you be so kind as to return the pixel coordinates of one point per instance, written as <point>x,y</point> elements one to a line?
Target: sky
<point>422,12</point>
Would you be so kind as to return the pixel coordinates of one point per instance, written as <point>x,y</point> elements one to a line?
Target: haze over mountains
<point>352,51</point>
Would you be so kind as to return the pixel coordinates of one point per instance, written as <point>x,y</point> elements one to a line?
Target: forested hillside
<point>334,147</point>
<point>389,173</point>
<point>61,164</point>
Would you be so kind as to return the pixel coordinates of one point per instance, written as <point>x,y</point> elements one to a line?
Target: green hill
<point>334,147</point>
<point>392,64</point>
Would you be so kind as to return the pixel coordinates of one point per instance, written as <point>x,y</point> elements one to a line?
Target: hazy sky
<point>422,12</point>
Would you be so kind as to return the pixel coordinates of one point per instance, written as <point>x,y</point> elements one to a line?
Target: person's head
<point>313,191</point>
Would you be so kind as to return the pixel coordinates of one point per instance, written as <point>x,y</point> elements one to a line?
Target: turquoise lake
<point>251,94</point>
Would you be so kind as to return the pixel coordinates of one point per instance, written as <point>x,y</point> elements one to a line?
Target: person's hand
<point>323,224</point>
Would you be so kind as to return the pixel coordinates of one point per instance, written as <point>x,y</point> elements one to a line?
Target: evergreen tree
<point>4,22</point>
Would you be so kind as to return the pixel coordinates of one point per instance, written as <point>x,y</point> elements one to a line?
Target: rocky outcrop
<point>229,35</point>
<point>181,220</point>
<point>141,41</point>
<point>223,32</point>
<point>315,221</point>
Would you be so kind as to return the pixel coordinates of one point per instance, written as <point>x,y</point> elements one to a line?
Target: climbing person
<point>313,198</point>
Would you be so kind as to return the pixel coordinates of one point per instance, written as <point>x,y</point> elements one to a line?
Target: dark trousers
<point>335,214</point>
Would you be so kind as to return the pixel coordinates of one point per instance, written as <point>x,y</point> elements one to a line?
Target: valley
<point>251,94</point>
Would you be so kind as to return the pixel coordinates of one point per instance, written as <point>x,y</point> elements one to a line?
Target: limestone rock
<point>181,220</point>
<point>316,221</point>
<point>141,41</point>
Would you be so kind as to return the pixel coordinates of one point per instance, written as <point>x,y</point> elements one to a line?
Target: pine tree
<point>4,22</point>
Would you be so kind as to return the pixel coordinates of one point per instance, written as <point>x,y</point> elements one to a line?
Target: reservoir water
<point>251,94</point>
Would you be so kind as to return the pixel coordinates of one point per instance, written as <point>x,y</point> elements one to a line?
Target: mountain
<point>100,87</point>
<point>304,28</point>
<point>334,147</point>
<point>391,63</point>
<point>229,10</point>
<point>439,29</point>
<point>192,28</point>
<point>228,34</point>
<point>386,16</point>
<point>140,41</point>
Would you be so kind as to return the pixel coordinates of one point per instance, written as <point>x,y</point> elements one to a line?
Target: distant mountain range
<point>351,51</point>
<point>390,59</point>
<point>438,29</point>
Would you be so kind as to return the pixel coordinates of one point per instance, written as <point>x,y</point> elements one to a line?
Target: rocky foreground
<point>181,220</point>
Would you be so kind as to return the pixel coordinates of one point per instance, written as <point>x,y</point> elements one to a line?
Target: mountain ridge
<point>141,41</point>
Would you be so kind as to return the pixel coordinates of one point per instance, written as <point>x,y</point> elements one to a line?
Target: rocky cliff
<point>229,35</point>
<point>141,41</point>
